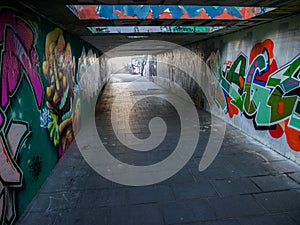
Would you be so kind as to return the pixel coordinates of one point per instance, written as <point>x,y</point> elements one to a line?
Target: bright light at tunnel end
<point>98,157</point>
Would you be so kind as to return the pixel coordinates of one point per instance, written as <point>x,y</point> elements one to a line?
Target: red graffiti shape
<point>292,137</point>
<point>87,12</point>
<point>202,15</point>
<point>259,48</point>
<point>232,110</point>
<point>165,15</point>
<point>121,15</point>
<point>280,108</point>
<point>225,16</point>
<point>277,132</point>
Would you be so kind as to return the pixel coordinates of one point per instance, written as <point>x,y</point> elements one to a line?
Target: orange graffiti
<point>242,81</point>
<point>259,48</point>
<point>150,15</point>
<point>277,132</point>
<point>280,108</point>
<point>232,110</point>
<point>292,137</point>
<point>86,12</point>
<point>165,15</point>
<point>202,15</point>
<point>249,12</point>
<point>185,15</point>
<point>225,16</point>
<point>228,63</point>
<point>121,15</point>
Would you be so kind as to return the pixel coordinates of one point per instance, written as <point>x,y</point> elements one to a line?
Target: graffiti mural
<point>89,79</point>
<point>10,173</point>
<point>18,55</point>
<point>39,97</point>
<point>153,29</point>
<point>257,88</point>
<point>19,62</point>
<point>108,12</point>
<point>59,71</point>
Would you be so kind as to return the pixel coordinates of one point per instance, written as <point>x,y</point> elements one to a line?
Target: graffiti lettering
<point>269,95</point>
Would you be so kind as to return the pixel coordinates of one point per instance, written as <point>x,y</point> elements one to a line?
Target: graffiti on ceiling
<point>152,29</point>
<point>135,12</point>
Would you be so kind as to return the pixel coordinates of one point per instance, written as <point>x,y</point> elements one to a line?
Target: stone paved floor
<point>246,184</point>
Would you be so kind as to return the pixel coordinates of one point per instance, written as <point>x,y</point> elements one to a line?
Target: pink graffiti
<point>18,59</point>
<point>10,173</point>
<point>19,53</point>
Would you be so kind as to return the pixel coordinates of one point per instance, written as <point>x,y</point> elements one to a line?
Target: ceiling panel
<point>57,12</point>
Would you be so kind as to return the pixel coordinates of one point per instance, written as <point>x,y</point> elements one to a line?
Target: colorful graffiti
<point>153,29</point>
<point>261,91</point>
<point>110,12</point>
<point>36,102</point>
<point>10,173</point>
<point>18,60</point>
<point>89,79</point>
<point>59,71</point>
<point>18,54</point>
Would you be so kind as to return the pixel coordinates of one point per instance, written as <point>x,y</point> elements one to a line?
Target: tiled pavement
<point>247,184</point>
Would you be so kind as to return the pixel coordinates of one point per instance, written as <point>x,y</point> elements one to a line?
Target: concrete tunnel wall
<point>46,81</point>
<point>47,77</point>
<point>253,80</point>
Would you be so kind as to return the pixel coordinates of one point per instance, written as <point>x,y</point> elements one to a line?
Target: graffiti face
<point>268,95</point>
